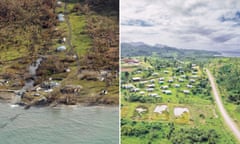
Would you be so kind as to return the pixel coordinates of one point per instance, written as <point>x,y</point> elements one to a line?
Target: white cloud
<point>182,23</point>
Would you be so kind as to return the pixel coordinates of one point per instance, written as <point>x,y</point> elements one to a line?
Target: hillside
<point>141,49</point>
<point>59,52</point>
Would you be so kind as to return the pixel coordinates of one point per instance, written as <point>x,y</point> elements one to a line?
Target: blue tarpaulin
<point>61,17</point>
<point>61,48</point>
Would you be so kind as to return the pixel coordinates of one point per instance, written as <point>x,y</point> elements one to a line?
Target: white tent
<point>160,109</point>
<point>179,111</point>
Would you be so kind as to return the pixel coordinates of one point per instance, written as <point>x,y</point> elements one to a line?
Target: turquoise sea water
<point>62,125</point>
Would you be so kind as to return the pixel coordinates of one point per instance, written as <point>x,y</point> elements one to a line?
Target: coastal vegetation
<point>76,43</point>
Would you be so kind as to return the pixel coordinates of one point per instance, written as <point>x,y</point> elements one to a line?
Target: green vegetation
<point>164,133</point>
<point>226,72</point>
<point>146,82</point>
<point>81,42</point>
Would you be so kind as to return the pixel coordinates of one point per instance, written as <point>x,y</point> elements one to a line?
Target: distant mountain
<point>137,43</point>
<point>141,49</point>
<point>231,53</point>
<point>160,45</point>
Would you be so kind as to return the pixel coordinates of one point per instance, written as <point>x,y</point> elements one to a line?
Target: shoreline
<point>59,105</point>
<point>7,98</point>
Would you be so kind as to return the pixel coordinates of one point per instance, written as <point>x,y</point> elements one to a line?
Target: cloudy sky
<point>195,24</point>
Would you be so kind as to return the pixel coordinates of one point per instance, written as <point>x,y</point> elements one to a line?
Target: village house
<point>177,85</point>
<point>191,80</point>
<point>135,90</point>
<point>36,94</point>
<point>141,92</point>
<point>152,81</point>
<point>151,86</point>
<point>167,92</point>
<point>195,68</point>
<point>150,89</point>
<point>153,95</point>
<point>164,87</point>
<point>170,81</point>
<point>194,76</point>
<point>190,86</point>
<point>59,3</point>
<point>155,74</point>
<point>161,79</point>
<point>136,79</point>
<point>166,72</point>
<point>138,72</point>
<point>194,73</point>
<point>186,91</point>
<point>67,70</point>
<point>128,86</point>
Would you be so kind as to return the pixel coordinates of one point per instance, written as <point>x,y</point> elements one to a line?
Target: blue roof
<point>61,17</point>
<point>61,48</point>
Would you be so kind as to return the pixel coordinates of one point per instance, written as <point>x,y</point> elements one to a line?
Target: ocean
<point>61,125</point>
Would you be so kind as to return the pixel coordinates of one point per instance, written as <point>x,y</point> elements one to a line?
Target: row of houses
<point>161,80</point>
<point>149,86</point>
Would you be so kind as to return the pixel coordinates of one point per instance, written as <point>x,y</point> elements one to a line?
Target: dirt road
<point>228,120</point>
<point>69,39</point>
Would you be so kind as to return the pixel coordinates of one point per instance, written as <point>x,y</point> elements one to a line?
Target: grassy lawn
<point>81,42</point>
